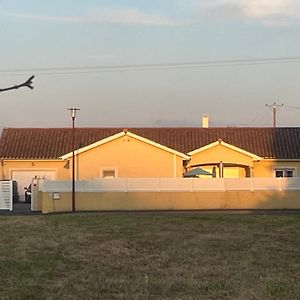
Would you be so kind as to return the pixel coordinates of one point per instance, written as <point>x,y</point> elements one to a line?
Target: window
<point>285,172</point>
<point>289,173</point>
<point>109,173</point>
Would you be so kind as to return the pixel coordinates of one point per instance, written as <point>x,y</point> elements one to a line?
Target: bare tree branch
<point>27,83</point>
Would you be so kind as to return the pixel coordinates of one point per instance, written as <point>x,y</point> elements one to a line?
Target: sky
<point>149,63</point>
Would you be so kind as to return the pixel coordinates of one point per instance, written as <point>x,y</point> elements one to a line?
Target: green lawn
<point>149,256</point>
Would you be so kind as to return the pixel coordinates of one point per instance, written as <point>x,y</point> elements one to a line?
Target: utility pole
<point>274,107</point>
<point>73,111</point>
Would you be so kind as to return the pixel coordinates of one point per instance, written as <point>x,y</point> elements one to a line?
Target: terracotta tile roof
<point>51,143</point>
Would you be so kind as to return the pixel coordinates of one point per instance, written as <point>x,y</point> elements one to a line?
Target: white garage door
<point>24,178</point>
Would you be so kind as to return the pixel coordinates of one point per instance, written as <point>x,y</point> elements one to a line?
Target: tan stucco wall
<point>221,153</point>
<point>265,168</point>
<point>31,165</point>
<point>172,201</point>
<point>131,158</point>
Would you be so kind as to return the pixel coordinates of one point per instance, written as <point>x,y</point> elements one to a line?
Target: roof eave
<point>120,134</point>
<point>220,142</point>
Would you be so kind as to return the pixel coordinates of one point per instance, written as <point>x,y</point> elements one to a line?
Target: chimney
<point>205,121</point>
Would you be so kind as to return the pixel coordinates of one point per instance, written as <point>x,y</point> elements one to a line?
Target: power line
<point>259,116</point>
<point>149,67</point>
<point>292,107</point>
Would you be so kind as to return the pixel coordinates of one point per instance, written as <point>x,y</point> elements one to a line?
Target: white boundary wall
<point>172,184</point>
<point>6,195</point>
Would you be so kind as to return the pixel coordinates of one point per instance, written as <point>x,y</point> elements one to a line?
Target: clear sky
<point>46,38</point>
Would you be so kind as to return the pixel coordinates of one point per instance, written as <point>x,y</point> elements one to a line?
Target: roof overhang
<point>229,146</point>
<point>121,134</point>
<point>31,159</point>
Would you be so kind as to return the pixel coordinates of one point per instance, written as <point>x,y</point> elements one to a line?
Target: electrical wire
<point>259,118</point>
<point>289,108</point>
<point>149,67</point>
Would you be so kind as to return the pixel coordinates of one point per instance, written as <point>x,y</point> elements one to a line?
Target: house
<point>148,152</point>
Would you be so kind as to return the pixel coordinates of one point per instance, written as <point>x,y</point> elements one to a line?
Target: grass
<point>149,256</point>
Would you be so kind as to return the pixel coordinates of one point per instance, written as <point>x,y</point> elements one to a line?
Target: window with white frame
<point>109,173</point>
<point>284,172</point>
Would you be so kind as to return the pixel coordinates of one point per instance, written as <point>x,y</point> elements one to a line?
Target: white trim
<point>157,145</point>
<point>220,142</point>
<point>206,147</point>
<point>91,146</point>
<point>118,135</point>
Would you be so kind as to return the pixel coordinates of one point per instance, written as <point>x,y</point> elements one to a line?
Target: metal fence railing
<point>6,195</point>
<point>172,184</point>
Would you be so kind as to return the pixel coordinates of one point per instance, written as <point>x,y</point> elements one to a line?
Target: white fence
<point>172,184</point>
<point>6,195</point>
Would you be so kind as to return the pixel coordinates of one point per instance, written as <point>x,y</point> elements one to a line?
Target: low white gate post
<point>6,195</point>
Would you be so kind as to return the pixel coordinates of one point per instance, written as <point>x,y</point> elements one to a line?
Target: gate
<point>6,195</point>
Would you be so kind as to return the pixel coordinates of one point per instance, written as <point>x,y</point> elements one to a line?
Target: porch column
<point>221,169</point>
<point>248,171</point>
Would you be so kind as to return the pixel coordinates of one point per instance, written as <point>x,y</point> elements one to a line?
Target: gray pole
<point>274,107</point>
<point>73,111</point>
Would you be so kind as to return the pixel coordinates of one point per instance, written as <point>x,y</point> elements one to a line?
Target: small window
<point>289,173</point>
<point>108,174</point>
<point>285,172</point>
